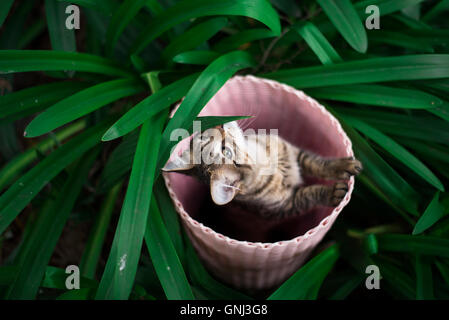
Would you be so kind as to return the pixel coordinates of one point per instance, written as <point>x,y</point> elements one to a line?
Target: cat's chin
<point>221,193</point>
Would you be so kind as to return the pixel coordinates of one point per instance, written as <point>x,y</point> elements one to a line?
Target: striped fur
<point>266,173</point>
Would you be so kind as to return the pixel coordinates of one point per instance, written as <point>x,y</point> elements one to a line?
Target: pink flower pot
<point>238,247</point>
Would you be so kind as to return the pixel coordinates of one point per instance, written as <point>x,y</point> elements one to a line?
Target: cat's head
<point>219,156</point>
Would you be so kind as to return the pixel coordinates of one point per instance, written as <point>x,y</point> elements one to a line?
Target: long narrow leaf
<point>94,245</point>
<point>150,106</point>
<point>16,165</point>
<point>35,98</point>
<point>433,213</point>
<point>318,43</point>
<point>345,19</point>
<point>37,250</point>
<point>118,277</point>
<point>412,67</point>
<point>26,188</point>
<point>201,57</point>
<point>309,276</point>
<point>234,41</point>
<point>121,18</point>
<point>164,257</point>
<point>378,95</point>
<point>257,9</point>
<point>397,151</point>
<point>386,179</point>
<point>12,61</point>
<point>193,37</point>
<point>5,5</point>
<point>81,104</point>
<point>424,279</point>
<point>424,245</point>
<point>121,267</point>
<point>62,38</point>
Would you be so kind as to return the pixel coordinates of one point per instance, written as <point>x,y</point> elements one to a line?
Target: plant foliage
<point>85,128</point>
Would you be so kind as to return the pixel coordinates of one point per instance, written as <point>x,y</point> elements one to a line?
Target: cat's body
<point>264,172</point>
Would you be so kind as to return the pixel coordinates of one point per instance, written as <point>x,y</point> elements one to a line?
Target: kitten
<point>263,172</point>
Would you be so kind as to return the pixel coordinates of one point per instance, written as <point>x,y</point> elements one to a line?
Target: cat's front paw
<point>344,168</point>
<point>338,193</point>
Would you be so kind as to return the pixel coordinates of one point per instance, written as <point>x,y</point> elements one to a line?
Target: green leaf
<point>409,67</point>
<point>121,267</point>
<point>7,274</point>
<point>440,7</point>
<point>121,18</point>
<point>246,36</point>
<point>424,281</point>
<point>55,278</point>
<point>433,213</point>
<point>257,9</point>
<point>399,281</point>
<point>150,106</point>
<point>36,251</point>
<point>105,6</point>
<point>165,260</point>
<point>378,95</point>
<point>430,129</point>
<point>201,57</point>
<point>95,242</point>
<point>119,162</point>
<point>17,164</point>
<point>61,38</point>
<point>31,33</point>
<point>309,276</point>
<point>424,245</point>
<point>5,5</point>
<point>385,6</point>
<point>349,286</point>
<point>12,61</point>
<point>444,270</point>
<point>346,20</point>
<point>318,43</point>
<point>411,22</point>
<point>120,271</point>
<point>383,176</point>
<point>17,197</point>
<point>13,30</point>
<point>154,6</point>
<point>193,37</point>
<point>400,39</point>
<point>33,99</point>
<point>80,294</point>
<point>169,216</point>
<point>9,142</point>
<point>397,151</point>
<point>432,151</point>
<point>81,104</point>
<point>204,88</point>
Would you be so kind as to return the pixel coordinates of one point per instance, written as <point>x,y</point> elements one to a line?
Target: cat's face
<point>219,156</point>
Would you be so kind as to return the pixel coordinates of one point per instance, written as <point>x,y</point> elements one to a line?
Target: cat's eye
<point>227,152</point>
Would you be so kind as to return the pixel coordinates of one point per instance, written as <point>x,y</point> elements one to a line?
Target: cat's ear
<point>221,193</point>
<point>181,163</point>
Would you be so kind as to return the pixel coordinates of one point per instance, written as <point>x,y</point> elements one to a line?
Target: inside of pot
<point>298,121</point>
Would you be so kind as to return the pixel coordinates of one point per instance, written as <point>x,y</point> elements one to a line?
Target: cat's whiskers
<point>229,186</point>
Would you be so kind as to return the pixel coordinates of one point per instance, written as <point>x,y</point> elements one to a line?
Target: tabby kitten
<point>263,172</point>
